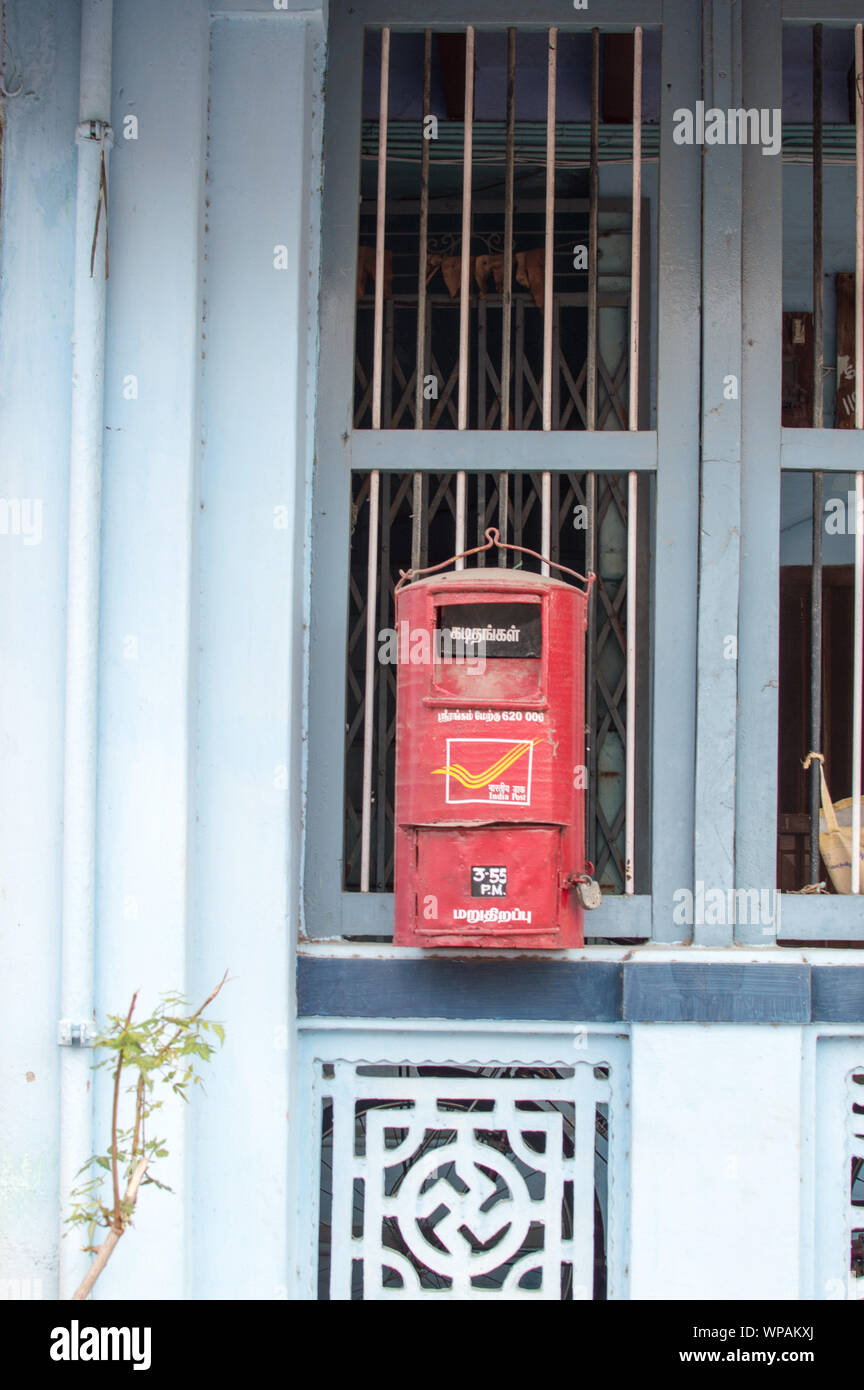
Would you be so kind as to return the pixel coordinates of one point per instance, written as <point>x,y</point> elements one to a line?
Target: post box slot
<point>511,630</point>
<point>488,650</point>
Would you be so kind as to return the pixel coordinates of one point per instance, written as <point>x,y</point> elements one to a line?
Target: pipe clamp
<point>98,131</point>
<point>73,1033</point>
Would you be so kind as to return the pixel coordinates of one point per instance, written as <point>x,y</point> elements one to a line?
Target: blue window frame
<point>667,455</point>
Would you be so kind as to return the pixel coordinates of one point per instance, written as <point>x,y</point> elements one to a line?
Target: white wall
<point>715,1161</point>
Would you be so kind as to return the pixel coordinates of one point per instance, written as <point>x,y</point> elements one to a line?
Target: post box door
<point>484,882</point>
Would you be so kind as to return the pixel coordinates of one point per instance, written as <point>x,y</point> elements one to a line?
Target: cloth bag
<point>835,834</point>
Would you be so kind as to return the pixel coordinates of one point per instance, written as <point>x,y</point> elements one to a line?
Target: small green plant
<point>165,1049</point>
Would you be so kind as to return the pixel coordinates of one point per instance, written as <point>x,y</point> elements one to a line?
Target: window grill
<point>431,239</point>
<point>527,405</point>
<point>822,573</point>
<point>553,358</point>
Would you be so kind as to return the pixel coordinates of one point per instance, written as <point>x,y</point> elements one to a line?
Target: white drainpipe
<point>82,630</point>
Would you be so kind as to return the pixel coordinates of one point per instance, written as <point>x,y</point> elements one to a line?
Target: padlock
<point>589,893</point>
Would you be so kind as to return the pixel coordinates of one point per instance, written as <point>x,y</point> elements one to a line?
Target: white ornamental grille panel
<point>463,1183</point>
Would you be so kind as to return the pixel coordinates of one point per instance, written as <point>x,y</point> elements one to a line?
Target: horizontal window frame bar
<point>845,12</point>
<point>525,451</point>
<point>845,453</point>
<point>451,16</point>
<point>821,917</point>
<point>551,992</point>
<point>371,914</point>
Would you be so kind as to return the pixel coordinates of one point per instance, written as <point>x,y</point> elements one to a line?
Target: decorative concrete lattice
<point>463,1183</point>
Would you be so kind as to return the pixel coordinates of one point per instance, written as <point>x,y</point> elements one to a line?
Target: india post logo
<point>488,770</point>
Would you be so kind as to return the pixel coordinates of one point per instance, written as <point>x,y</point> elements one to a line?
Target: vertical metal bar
<point>548,280</point>
<point>632,493</point>
<point>422,252</point>
<point>818,376</point>
<point>507,296</point>
<point>461,510</point>
<point>858,663</point>
<point>556,370</point>
<point>423,539</point>
<point>503,514</point>
<point>381,209</point>
<point>545,518</point>
<point>374,478</point>
<point>369,682</point>
<point>465,282</point>
<point>509,200</point>
<point>636,232</point>
<point>593,210</point>
<point>416,520</point>
<point>387,375</point>
<point>591,749</point>
<point>383,841</point>
<point>519,384</point>
<point>548,264</point>
<point>518,507</point>
<point>630,730</point>
<point>465,268</point>
<point>560,482</point>
<point>481,515</point>
<point>482,342</point>
<point>427,351</point>
<point>816,672</point>
<point>818,352</point>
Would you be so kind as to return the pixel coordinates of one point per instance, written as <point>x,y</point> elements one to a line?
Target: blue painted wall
<point>35,327</point>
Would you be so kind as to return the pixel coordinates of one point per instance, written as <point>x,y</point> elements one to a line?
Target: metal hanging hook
<point>493,536</point>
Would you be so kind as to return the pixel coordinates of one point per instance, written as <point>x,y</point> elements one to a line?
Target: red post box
<point>490,776</point>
